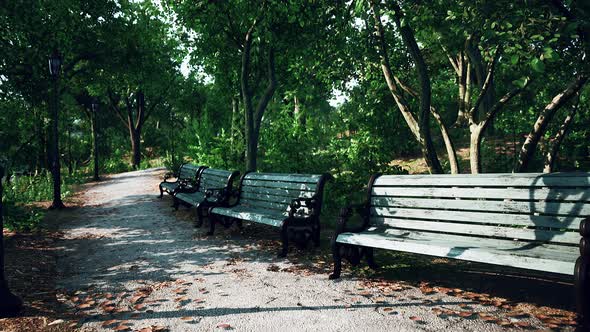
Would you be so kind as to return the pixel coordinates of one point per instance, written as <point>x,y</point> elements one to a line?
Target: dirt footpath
<point>128,261</point>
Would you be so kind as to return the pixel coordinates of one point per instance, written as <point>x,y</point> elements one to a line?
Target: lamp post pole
<point>9,303</point>
<point>95,139</point>
<point>55,62</point>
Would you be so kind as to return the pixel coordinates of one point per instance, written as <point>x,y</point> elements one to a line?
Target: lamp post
<point>9,303</point>
<point>55,62</point>
<point>95,138</point>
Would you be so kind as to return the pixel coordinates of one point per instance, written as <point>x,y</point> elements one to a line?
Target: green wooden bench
<point>292,202</point>
<point>529,221</point>
<point>187,176</point>
<point>211,190</point>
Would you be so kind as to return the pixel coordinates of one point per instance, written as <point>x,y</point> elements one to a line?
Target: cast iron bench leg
<point>582,282</point>
<point>161,192</point>
<point>369,253</point>
<point>212,221</point>
<point>284,240</point>
<point>337,261</point>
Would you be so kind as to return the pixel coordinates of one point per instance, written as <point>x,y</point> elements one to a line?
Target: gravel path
<point>130,260</point>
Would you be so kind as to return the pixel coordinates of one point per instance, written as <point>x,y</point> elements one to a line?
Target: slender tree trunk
<point>420,127</point>
<point>529,147</point>
<point>475,139</point>
<point>253,117</point>
<point>551,156</point>
<point>70,166</point>
<point>55,164</point>
<point>9,303</point>
<point>135,148</point>
<point>96,176</point>
<point>451,151</point>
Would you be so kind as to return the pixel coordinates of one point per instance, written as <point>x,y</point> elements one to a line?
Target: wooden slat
<point>487,180</point>
<point>191,198</point>
<point>214,173</point>
<point>279,185</point>
<point>559,194</point>
<point>277,192</point>
<point>478,217</point>
<point>220,172</point>
<point>569,237</point>
<point>297,178</point>
<point>268,198</point>
<point>213,183</point>
<point>259,216</point>
<point>264,204</point>
<point>501,252</point>
<point>551,208</point>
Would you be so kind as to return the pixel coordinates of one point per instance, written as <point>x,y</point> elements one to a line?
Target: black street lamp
<point>55,62</point>
<point>10,304</point>
<point>95,138</point>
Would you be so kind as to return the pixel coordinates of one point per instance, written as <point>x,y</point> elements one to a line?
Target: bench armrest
<point>185,186</point>
<point>168,176</point>
<point>216,195</point>
<point>299,202</point>
<point>347,212</point>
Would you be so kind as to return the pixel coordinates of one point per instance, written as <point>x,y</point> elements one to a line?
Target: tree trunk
<point>135,148</point>
<point>9,303</point>
<point>475,139</point>
<point>529,146</point>
<point>253,118</point>
<point>55,164</point>
<point>70,166</point>
<point>93,118</point>
<point>551,156</point>
<point>421,127</point>
<point>453,163</point>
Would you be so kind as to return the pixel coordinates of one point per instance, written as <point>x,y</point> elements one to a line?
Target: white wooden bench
<point>212,189</point>
<point>530,221</point>
<point>292,202</point>
<point>187,176</point>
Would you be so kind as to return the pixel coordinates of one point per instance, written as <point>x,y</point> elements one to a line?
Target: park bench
<point>291,202</point>
<point>211,190</point>
<point>187,175</point>
<point>529,221</point>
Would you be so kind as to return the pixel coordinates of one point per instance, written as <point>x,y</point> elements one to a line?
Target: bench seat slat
<point>568,237</point>
<point>551,208</point>
<point>273,198</point>
<point>298,178</point>
<point>547,194</point>
<point>277,192</point>
<point>169,186</point>
<point>217,171</point>
<point>581,180</point>
<point>195,198</point>
<point>478,217</point>
<point>280,185</point>
<point>267,217</point>
<point>550,258</point>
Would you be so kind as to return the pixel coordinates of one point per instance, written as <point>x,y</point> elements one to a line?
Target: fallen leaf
<point>186,318</point>
<point>224,326</point>
<point>55,322</point>
<point>138,306</point>
<point>414,318</point>
<point>109,322</point>
<point>122,328</point>
<point>158,328</point>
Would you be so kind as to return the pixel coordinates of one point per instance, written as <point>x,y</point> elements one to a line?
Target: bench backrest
<point>276,191</point>
<point>525,206</point>
<point>215,178</point>
<point>189,172</point>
